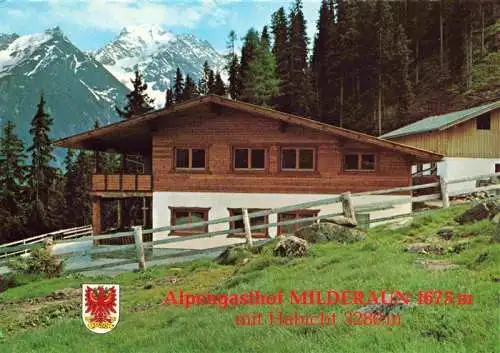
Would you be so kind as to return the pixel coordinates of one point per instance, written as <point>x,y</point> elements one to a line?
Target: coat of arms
<point>100,306</point>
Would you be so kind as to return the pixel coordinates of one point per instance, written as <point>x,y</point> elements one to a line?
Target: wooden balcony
<point>121,182</point>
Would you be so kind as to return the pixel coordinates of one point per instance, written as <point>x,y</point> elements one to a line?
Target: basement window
<point>249,158</point>
<point>190,158</point>
<point>181,216</point>
<point>258,233</point>
<point>293,215</point>
<point>483,122</point>
<point>359,162</point>
<point>300,159</point>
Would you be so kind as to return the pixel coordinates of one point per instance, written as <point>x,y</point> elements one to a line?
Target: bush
<point>39,262</point>
<point>7,281</point>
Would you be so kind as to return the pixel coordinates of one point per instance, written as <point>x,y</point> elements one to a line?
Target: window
<point>190,158</point>
<point>288,216</point>
<point>483,122</point>
<point>249,158</point>
<point>297,159</point>
<point>180,216</point>
<point>359,161</point>
<point>497,167</point>
<point>258,233</point>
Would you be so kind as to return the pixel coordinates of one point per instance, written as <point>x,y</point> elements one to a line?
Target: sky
<point>90,24</point>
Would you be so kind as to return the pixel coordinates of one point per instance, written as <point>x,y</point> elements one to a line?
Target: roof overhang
<point>141,127</point>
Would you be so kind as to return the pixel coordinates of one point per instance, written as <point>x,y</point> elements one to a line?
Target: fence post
<point>24,243</point>
<point>48,244</point>
<point>139,247</point>
<point>348,207</point>
<point>444,193</point>
<point>246,223</point>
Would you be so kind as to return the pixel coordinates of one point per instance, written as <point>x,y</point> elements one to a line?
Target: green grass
<point>376,263</point>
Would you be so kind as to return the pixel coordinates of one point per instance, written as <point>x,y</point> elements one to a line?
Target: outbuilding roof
<point>441,122</point>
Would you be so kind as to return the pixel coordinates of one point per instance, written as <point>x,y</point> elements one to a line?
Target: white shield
<point>100,306</point>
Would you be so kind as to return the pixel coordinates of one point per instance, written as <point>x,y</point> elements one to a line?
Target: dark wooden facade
<point>206,129</point>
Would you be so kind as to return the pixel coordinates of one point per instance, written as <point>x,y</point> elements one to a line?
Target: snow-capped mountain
<point>77,88</point>
<point>157,53</point>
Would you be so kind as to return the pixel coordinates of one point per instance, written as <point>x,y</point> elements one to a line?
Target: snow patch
<point>21,49</point>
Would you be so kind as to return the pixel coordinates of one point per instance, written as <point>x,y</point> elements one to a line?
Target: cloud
<point>116,14</point>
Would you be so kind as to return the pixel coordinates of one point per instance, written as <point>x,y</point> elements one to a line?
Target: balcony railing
<point>121,182</point>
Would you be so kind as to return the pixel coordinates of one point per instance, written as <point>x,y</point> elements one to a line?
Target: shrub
<point>39,262</point>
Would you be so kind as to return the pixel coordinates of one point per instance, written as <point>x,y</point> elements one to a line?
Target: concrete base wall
<point>454,168</point>
<point>220,202</point>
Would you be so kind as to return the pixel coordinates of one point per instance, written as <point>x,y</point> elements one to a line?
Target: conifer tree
<point>41,175</point>
<point>178,86</point>
<point>12,183</point>
<point>319,62</point>
<point>262,83</point>
<point>169,98</point>
<point>219,86</point>
<point>233,67</point>
<point>203,84</point>
<point>138,101</point>
<point>401,88</point>
<point>298,61</point>
<point>279,29</point>
<point>69,186</point>
<point>211,82</point>
<point>190,89</point>
<point>460,43</point>
<point>346,59</point>
<point>234,78</point>
<point>250,44</point>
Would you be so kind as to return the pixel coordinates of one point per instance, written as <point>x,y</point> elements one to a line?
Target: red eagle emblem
<point>100,304</point>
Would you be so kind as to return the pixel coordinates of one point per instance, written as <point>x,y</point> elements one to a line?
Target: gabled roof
<point>89,139</point>
<point>442,122</point>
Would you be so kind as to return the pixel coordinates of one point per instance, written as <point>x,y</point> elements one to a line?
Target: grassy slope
<point>374,264</point>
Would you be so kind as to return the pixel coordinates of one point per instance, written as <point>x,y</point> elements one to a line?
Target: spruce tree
<point>178,86</point>
<point>250,44</point>
<point>319,62</point>
<point>211,82</point>
<point>12,183</point>
<point>69,186</point>
<point>138,101</point>
<point>460,43</point>
<point>41,175</point>
<point>232,67</point>
<point>234,78</point>
<point>203,84</point>
<point>169,98</point>
<point>262,83</point>
<point>279,29</point>
<point>219,87</point>
<point>401,88</point>
<point>298,42</point>
<point>345,57</point>
<point>190,89</point>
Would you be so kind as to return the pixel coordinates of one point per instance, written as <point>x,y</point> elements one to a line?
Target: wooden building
<point>469,140</point>
<point>209,157</point>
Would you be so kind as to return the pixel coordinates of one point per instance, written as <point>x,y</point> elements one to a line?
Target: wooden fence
<point>22,246</point>
<point>348,210</point>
